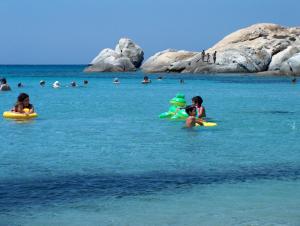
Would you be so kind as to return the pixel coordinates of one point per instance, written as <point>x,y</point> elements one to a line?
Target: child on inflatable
<point>197,102</point>
<point>23,103</point>
<point>192,119</point>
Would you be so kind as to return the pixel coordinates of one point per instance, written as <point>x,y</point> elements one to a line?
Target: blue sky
<point>74,31</point>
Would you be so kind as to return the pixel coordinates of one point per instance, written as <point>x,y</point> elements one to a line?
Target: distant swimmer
<point>215,56</point>
<point>42,83</point>
<point>181,81</point>
<point>73,84</point>
<point>85,82</point>
<point>4,86</point>
<point>116,81</point>
<point>146,80</point>
<point>294,80</point>
<point>20,85</point>
<point>159,78</point>
<point>56,84</point>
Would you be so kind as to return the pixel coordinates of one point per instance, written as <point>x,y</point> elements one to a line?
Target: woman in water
<point>23,103</point>
<point>197,102</point>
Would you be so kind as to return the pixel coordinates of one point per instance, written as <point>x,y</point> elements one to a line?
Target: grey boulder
<point>292,65</point>
<point>127,56</point>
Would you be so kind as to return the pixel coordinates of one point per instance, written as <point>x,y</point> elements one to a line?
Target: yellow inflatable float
<point>207,124</point>
<point>19,116</point>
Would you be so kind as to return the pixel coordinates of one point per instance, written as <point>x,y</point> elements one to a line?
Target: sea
<point>100,155</point>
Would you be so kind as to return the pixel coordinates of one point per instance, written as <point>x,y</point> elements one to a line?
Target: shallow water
<point>99,155</point>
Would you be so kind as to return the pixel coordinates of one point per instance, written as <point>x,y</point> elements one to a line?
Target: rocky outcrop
<point>292,65</point>
<point>129,49</point>
<point>258,48</point>
<point>127,56</point>
<point>281,57</point>
<point>168,60</point>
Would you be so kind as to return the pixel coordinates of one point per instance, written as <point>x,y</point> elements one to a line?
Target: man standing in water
<point>215,56</point>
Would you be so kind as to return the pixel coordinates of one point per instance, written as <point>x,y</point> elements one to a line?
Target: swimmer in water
<point>192,119</point>
<point>23,102</point>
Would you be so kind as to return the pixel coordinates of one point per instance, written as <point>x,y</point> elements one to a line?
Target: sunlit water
<point>99,155</point>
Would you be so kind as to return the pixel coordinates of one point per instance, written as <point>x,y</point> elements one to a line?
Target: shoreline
<point>171,73</point>
<point>275,73</point>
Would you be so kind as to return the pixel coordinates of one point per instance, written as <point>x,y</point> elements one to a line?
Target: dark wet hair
<point>22,97</point>
<point>3,81</point>
<point>146,77</point>
<point>20,84</point>
<point>73,84</point>
<point>197,100</point>
<point>85,82</point>
<point>190,109</point>
<point>42,82</point>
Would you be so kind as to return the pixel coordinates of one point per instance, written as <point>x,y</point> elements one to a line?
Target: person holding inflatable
<point>192,119</point>
<point>197,102</point>
<point>23,103</point>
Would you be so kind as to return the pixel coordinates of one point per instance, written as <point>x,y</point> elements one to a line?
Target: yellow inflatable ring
<point>15,115</point>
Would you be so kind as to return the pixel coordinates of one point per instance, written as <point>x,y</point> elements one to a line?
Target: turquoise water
<point>99,155</point>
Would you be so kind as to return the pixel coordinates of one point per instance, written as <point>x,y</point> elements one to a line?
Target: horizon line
<point>44,64</point>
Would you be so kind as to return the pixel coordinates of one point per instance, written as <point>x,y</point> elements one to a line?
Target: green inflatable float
<point>177,111</point>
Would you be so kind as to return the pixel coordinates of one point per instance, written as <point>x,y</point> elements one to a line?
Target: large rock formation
<point>258,48</point>
<point>127,56</point>
<point>163,61</point>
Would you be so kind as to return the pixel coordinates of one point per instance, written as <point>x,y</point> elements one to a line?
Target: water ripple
<point>75,187</point>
